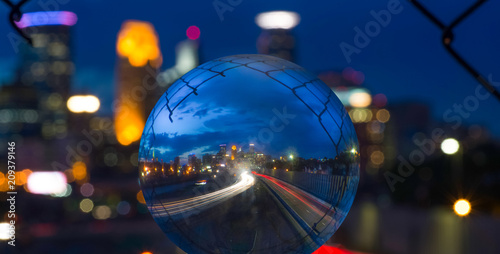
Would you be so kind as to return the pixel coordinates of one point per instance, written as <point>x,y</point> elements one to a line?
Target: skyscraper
<point>222,149</point>
<point>48,66</point>
<point>276,38</point>
<point>137,91</point>
<point>234,152</point>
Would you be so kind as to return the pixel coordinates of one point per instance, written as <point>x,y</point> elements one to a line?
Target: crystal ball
<point>249,154</point>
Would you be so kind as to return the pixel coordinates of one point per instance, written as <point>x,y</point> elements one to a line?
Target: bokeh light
<point>67,191</point>
<point>4,231</point>
<point>193,32</point>
<point>123,208</point>
<point>140,197</point>
<point>360,99</point>
<point>87,189</point>
<point>86,205</point>
<point>49,182</point>
<point>462,207</point>
<point>101,212</point>
<point>139,42</point>
<point>450,146</point>
<point>277,20</point>
<point>83,104</point>
<point>383,115</point>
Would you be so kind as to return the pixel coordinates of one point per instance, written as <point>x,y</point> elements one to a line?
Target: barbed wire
<point>447,39</point>
<point>15,16</point>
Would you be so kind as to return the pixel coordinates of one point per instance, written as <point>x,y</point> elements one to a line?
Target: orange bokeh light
<point>138,42</point>
<point>79,170</point>
<point>140,197</point>
<point>128,125</point>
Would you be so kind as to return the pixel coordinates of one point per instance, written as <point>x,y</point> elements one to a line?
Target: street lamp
<point>450,146</point>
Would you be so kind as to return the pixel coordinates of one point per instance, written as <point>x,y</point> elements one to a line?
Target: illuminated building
<point>252,149</point>
<point>222,149</point>
<point>276,38</point>
<point>221,155</point>
<point>139,58</point>
<point>234,152</point>
<point>48,66</point>
<point>191,159</point>
<point>207,159</point>
<point>19,114</point>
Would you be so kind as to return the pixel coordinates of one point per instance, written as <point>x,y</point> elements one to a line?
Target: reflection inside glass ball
<point>249,154</point>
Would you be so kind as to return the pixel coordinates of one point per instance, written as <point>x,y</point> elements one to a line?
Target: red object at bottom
<point>325,249</point>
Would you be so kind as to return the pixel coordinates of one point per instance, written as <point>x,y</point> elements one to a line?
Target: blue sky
<point>239,109</point>
<point>405,60</point>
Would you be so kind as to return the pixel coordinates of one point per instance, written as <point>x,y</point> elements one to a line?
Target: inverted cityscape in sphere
<point>249,154</point>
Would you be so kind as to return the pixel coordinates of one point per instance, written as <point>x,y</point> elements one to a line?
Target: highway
<point>256,214</point>
<point>202,202</point>
<point>316,216</point>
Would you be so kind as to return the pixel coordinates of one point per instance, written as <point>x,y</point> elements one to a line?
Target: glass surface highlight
<point>249,154</point>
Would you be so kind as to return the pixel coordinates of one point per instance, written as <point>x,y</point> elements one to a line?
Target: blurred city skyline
<point>405,60</point>
<point>76,105</point>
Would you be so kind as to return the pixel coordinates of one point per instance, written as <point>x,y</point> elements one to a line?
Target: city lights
<point>277,20</point>
<point>129,122</point>
<point>46,183</point>
<point>101,212</point>
<point>86,205</point>
<point>87,189</point>
<point>123,207</point>
<point>462,207</point>
<point>138,42</point>
<point>383,115</point>
<point>79,170</point>
<point>360,99</point>
<point>67,191</point>
<point>361,115</point>
<point>450,146</point>
<point>4,231</point>
<point>83,104</point>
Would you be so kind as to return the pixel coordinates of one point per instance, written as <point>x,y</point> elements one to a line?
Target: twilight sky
<point>245,106</point>
<point>405,60</point>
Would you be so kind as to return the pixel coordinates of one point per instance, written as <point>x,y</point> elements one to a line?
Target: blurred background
<point>75,104</point>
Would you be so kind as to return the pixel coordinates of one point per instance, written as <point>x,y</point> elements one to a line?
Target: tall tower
<point>48,66</point>
<point>137,91</point>
<point>222,149</point>
<point>234,152</point>
<point>276,38</point>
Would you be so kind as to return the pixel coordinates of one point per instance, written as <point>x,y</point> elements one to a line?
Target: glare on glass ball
<point>249,154</point>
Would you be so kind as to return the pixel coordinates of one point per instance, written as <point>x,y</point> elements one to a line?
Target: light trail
<point>319,206</point>
<point>180,206</point>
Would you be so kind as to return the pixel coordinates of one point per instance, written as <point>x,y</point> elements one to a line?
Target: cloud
<point>241,111</point>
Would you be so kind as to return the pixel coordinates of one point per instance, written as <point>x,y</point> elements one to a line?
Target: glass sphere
<point>249,154</point>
